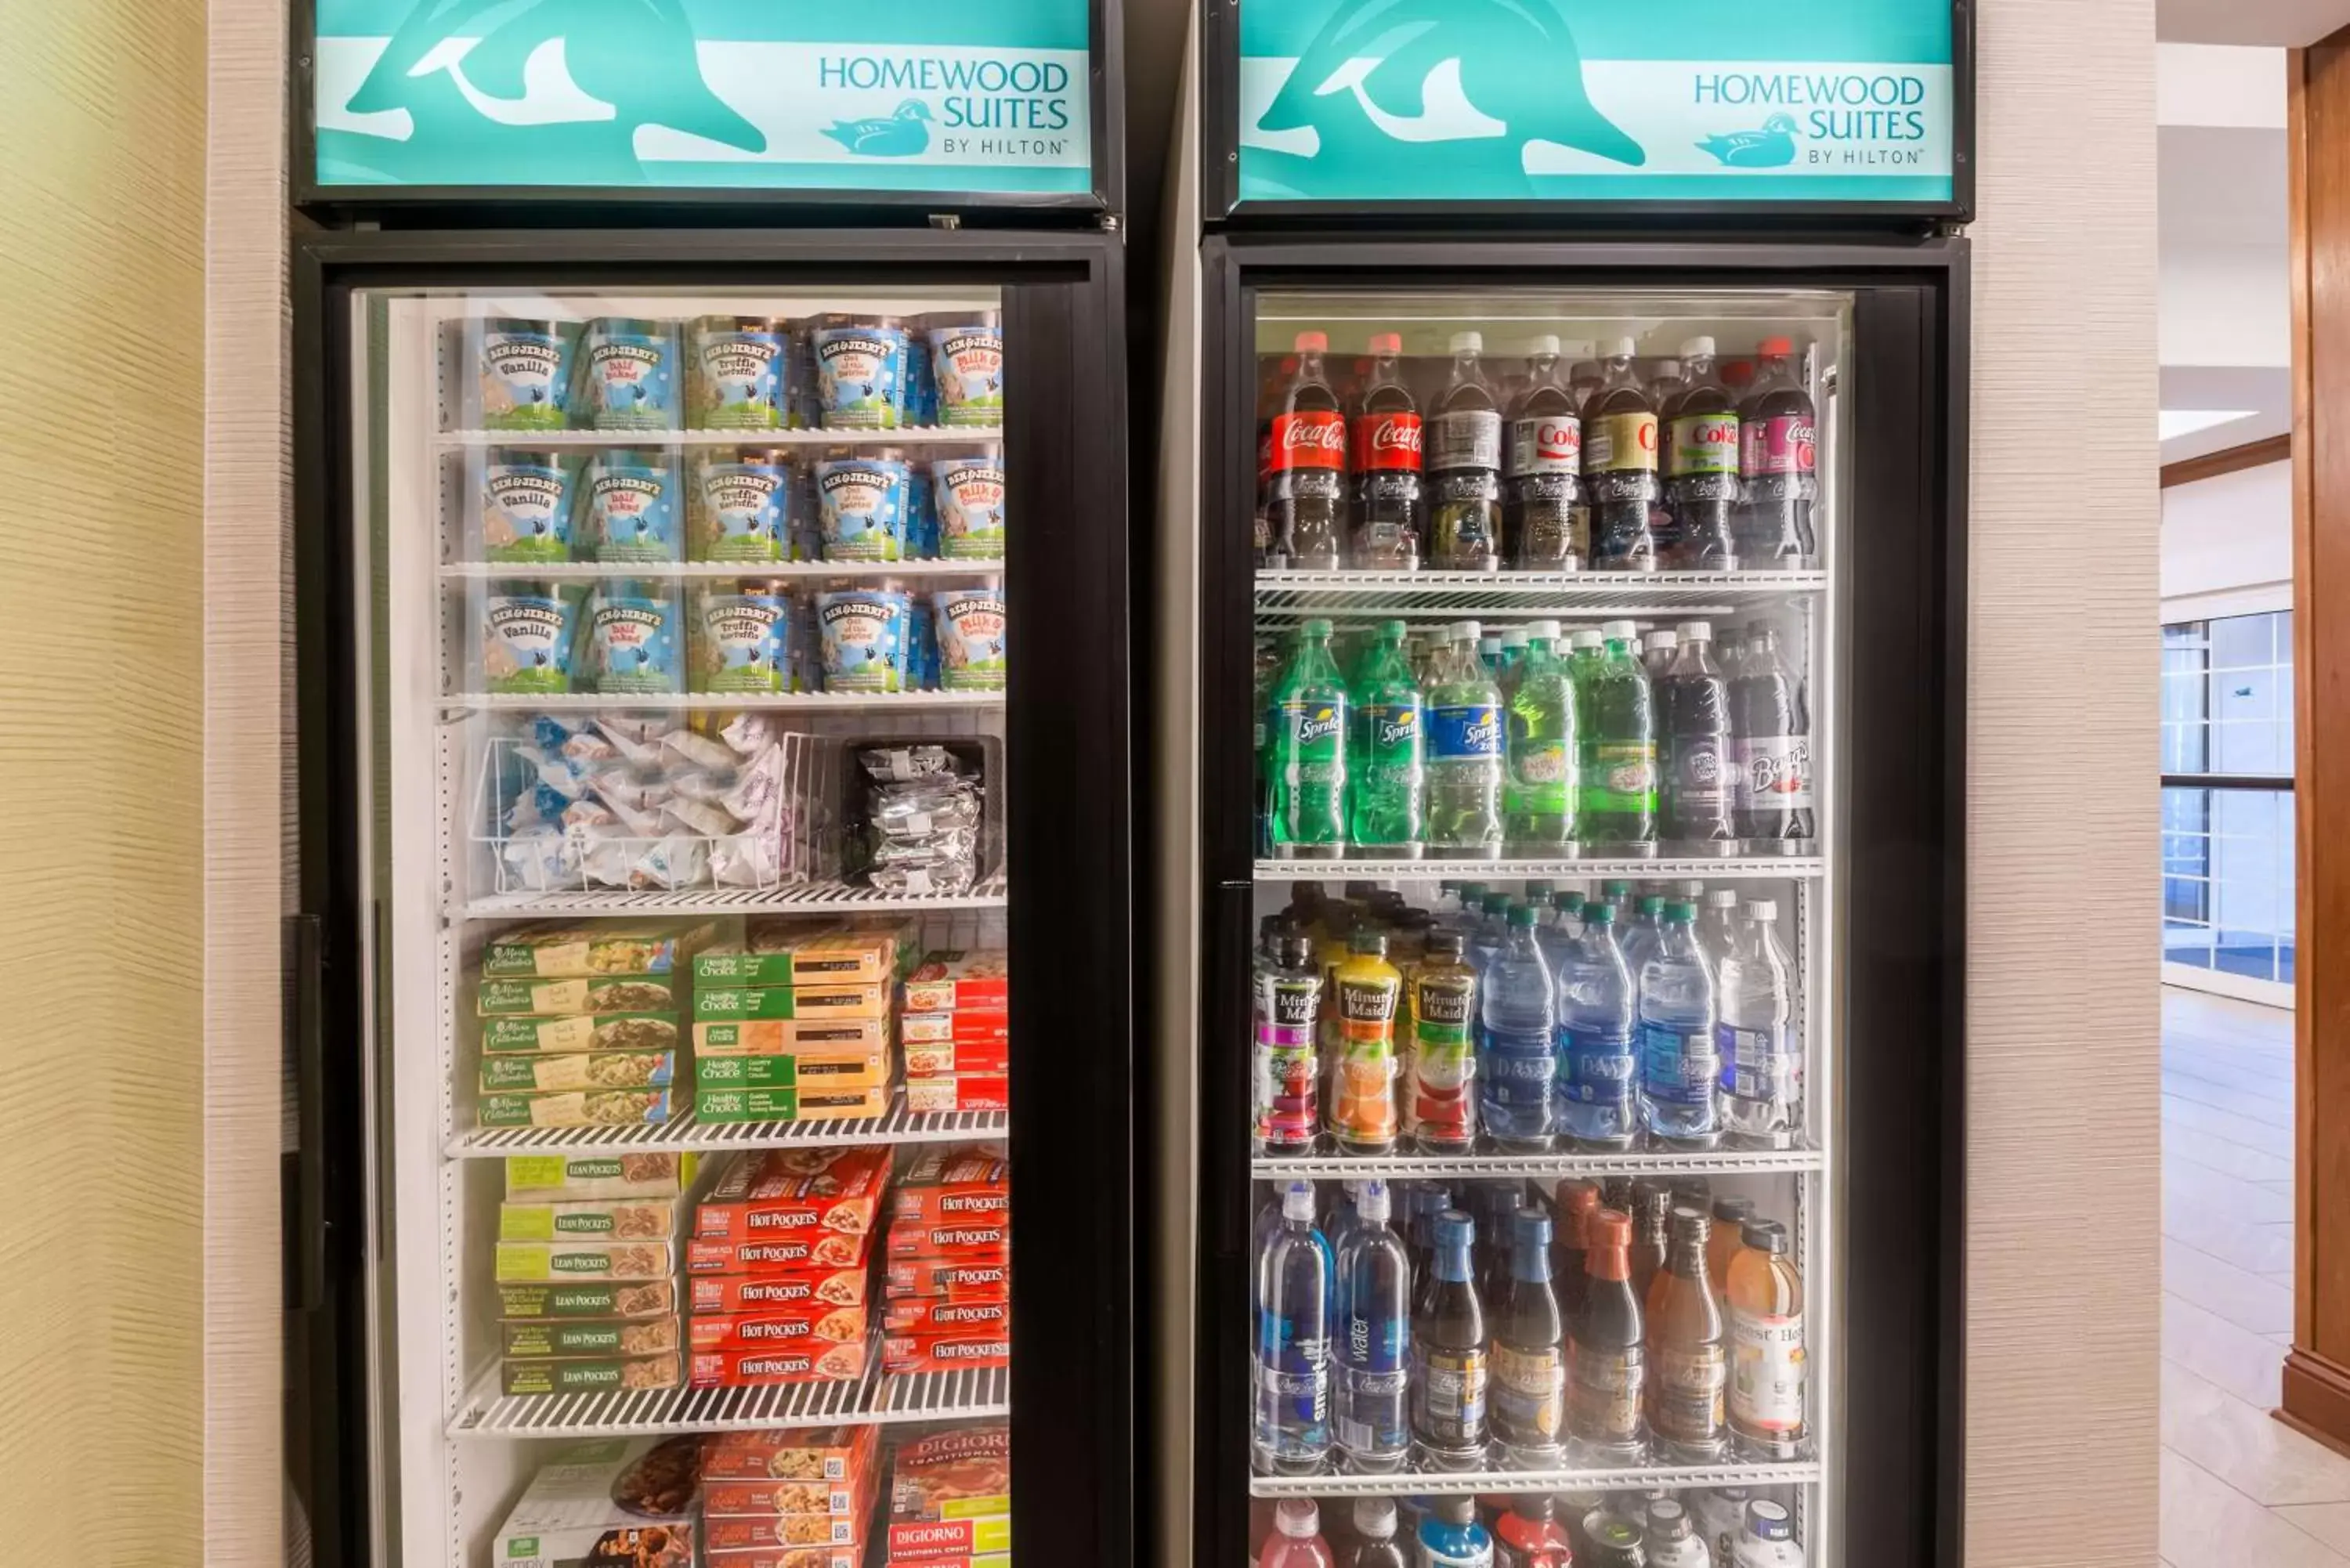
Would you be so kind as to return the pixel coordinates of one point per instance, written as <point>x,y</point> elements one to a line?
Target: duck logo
<point>1773,147</point>
<point>905,134</point>
<point>1432,94</point>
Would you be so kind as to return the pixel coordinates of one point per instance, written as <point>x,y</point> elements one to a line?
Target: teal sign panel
<point>947,95</point>
<point>1669,101</point>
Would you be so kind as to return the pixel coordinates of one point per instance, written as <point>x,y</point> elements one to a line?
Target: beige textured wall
<point>101,955</point>
<point>2063,1182</point>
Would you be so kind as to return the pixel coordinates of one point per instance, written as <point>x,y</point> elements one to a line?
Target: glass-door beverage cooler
<point>720,842</point>
<point>1578,1060</point>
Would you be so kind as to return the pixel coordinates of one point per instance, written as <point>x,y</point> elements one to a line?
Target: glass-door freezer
<point>712,827</point>
<point>1576,1058</point>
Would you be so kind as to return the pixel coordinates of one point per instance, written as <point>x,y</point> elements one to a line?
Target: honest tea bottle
<point>1293,1353</point>
<point>1768,1365</point>
<point>1374,1433</point>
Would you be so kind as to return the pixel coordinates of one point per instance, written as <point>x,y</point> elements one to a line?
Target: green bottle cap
<point>1496,902</point>
<point>1654,904</point>
<point>1682,913</point>
<point>1599,914</point>
<point>1521,915</point>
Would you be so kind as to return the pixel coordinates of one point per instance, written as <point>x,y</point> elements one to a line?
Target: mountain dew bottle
<point>1541,797</point>
<point>1386,765</point>
<point>1305,771</point>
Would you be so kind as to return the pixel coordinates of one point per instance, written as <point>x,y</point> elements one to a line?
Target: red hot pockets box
<point>801,1253</point>
<point>945,1351</point>
<point>956,1236</point>
<point>960,981</point>
<point>756,1293</point>
<point>812,1361</point>
<point>985,1276</point>
<point>943,1314</point>
<point>814,1324</point>
<point>949,1183</point>
<point>783,1191</point>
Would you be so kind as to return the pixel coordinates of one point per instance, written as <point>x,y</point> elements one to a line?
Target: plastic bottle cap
<point>1764,1235</point>
<point>1767,1521</point>
<point>1662,638</point>
<point>1297,1202</point>
<point>1668,1519</point>
<point>1543,631</point>
<point>1762,910</point>
<point>1453,1228</point>
<point>1654,904</point>
<point>1373,1204</point>
<point>1497,903</point>
<point>1521,915</point>
<point>1530,1227</point>
<point>1386,342</point>
<point>1466,631</point>
<point>1683,913</point>
<point>1617,630</point>
<point>1775,347</point>
<point>1297,1517</point>
<point>1734,1209</point>
<point>1369,941</point>
<point>1610,1228</point>
<point>1313,342</point>
<point>1468,343</point>
<point>1542,346</point>
<point>1599,914</point>
<point>1722,899</point>
<point>1624,348</point>
<point>1589,640</point>
<point>1444,944</point>
<point>1697,632</point>
<point>1697,349</point>
<point>1375,1517</point>
<point>1614,1531</point>
<point>1516,637</point>
<point>1316,628</point>
<point>1393,630</point>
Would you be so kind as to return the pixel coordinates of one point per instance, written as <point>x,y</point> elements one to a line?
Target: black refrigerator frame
<point>1070,823</point>
<point>1903,817</point>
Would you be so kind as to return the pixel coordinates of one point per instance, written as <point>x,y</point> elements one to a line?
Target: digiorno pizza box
<point>722,1293</point>
<point>781,1191</point>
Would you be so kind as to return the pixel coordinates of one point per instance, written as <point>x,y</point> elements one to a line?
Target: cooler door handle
<point>303,1174</point>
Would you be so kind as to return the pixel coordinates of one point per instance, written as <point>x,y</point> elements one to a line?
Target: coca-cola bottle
<point>1619,466</point>
<point>1545,487</point>
<point>1307,493</point>
<point>1273,376</point>
<point>1464,466</point>
<point>1388,437</point>
<point>1584,370</point>
<point>1665,386</point>
<point>1778,430</point>
<point>1701,459</point>
<point>1771,736</point>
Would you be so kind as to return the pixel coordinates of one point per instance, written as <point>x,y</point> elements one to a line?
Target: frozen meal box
<point>731,1105</point>
<point>610,946</point>
<point>955,1028</point>
<point>962,1091</point>
<point>775,955</point>
<point>721,1004</point>
<point>944,1315</point>
<point>559,1178</point>
<point>578,1033</point>
<point>602,1070</point>
<point>770,1293</point>
<point>799,1453</point>
<point>946,1560</point>
<point>952,982</point>
<point>592,1337</point>
<point>787,1557</point>
<point>624,1218</point>
<point>931,1542</point>
<point>780,1190</point>
<point>612,1503</point>
<point>742,1526</point>
<point>798,1253</point>
<point>950,1181</point>
<point>957,1061</point>
<point>812,1361</point>
<point>912,1354</point>
<point>953,1237</point>
<point>637,1299</point>
<point>805,1071</point>
<point>519,997</point>
<point>982,1276</point>
<point>750,1503</point>
<point>790,1036</point>
<point>785,1326</point>
<point>579,1108</point>
<point>534,1262</point>
<point>558,1375</point>
<point>961,1474</point>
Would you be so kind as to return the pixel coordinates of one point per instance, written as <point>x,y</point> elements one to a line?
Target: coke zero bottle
<point>1464,466</point>
<point>1307,466</point>
<point>1545,469</point>
<point>1778,430</point>
<point>1388,437</point>
<point>1620,467</point>
<point>1771,735</point>
<point>1701,459</point>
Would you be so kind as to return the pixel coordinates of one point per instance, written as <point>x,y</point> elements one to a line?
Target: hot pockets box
<point>794,1254</point>
<point>814,1361</point>
<point>777,1191</point>
<point>946,1183</point>
<point>955,1028</point>
<point>718,1005</point>
<point>985,1276</point>
<point>938,1315</point>
<point>821,1321</point>
<point>953,981</point>
<point>803,1070</point>
<point>911,1354</point>
<point>724,1294</point>
<point>790,1036</point>
<point>794,1104</point>
<point>962,1092</point>
<point>816,1454</point>
<point>979,1235</point>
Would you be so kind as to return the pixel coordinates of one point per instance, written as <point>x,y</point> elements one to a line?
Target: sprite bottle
<point>1387,763</point>
<point>1541,803</point>
<point>1305,724</point>
<point>1618,745</point>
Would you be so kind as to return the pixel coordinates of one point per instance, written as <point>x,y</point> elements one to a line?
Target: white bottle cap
<point>1493,643</point>
<point>1722,899</point>
<point>1589,640</point>
<point>1669,370</point>
<point>1662,640</point>
<point>1468,343</point>
<point>1375,1517</point>
<point>1466,631</point>
<point>1298,1518</point>
<point>1372,1202</point>
<point>1762,910</point>
<point>1515,636</point>
<point>1297,1203</point>
<point>1624,348</point>
<point>1543,631</point>
<point>1697,632</point>
<point>1543,344</point>
<point>1697,349</point>
<point>1616,629</point>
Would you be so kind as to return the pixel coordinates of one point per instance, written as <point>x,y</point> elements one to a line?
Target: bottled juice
<point>1606,1361</point>
<point>1577,1201</point>
<point>1729,1217</point>
<point>1288,1006</point>
<point>1366,991</point>
<point>1441,1086</point>
<point>1767,1364</point>
<point>1688,1350</point>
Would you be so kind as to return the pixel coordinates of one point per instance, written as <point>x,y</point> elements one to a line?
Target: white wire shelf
<point>808,899</point>
<point>1746,867</point>
<point>1282,595</point>
<point>811,702</point>
<point>1488,1166</point>
<point>874,1398</point>
<point>913,435</point>
<point>685,1134</point>
<point>1644,1477</point>
<point>501,571</point>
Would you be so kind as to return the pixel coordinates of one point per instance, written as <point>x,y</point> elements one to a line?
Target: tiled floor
<point>2237,1485</point>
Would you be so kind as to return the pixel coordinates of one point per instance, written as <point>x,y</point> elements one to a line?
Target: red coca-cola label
<point>1309,441</point>
<point>1786,443</point>
<point>1388,441</point>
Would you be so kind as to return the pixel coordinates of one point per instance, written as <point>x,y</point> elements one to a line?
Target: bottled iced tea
<point>1688,1350</point>
<point>1767,1365</point>
<point>1606,1423</point>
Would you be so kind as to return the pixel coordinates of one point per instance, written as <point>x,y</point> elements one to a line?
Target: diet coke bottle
<point>1545,503</point>
<point>1307,466</point>
<point>1388,440</point>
